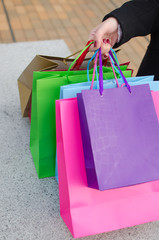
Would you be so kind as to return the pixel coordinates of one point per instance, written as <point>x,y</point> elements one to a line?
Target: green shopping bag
<point>45,90</point>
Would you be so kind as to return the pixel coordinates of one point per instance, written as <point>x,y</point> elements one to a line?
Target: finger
<point>97,36</point>
<point>92,36</point>
<point>97,42</point>
<point>105,56</point>
<point>105,47</point>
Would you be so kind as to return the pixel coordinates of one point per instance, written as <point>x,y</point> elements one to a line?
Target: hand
<point>105,35</point>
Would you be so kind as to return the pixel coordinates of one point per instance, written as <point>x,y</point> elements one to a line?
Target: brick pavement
<point>70,20</point>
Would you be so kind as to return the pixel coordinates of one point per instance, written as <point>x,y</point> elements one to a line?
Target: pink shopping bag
<point>155,96</point>
<point>88,211</point>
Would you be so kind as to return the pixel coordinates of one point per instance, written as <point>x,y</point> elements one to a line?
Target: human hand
<point>105,35</point>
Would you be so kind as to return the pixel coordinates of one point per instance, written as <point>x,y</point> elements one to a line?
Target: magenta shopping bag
<point>155,96</point>
<point>120,134</point>
<point>87,211</point>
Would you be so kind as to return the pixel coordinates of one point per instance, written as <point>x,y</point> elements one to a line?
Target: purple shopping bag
<point>120,134</point>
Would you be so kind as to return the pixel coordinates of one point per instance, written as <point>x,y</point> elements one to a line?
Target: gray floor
<point>29,207</point>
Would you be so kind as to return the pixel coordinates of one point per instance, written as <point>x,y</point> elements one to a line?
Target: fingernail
<point>95,44</point>
<point>104,40</point>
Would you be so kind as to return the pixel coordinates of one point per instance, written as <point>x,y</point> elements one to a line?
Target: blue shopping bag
<point>70,91</point>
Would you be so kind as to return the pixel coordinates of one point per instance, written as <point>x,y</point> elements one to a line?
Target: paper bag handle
<point>114,72</point>
<point>94,71</point>
<point>73,54</point>
<point>82,57</point>
<point>122,75</point>
<point>101,70</point>
<point>92,58</point>
<point>78,57</point>
<point>100,73</point>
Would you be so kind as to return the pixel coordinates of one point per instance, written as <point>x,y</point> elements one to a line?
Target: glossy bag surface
<point>87,211</point>
<point>45,90</point>
<point>120,135</point>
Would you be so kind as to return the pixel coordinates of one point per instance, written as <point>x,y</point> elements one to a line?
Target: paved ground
<point>70,20</point>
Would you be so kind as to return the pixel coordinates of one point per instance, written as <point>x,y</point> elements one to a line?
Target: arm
<point>136,18</point>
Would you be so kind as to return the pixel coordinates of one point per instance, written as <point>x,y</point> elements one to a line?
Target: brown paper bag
<point>40,63</point>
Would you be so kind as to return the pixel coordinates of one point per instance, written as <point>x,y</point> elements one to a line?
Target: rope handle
<point>122,75</point>
<point>87,47</point>
<point>82,57</point>
<point>94,71</point>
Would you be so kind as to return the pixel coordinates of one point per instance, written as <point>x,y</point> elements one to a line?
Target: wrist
<point>119,33</point>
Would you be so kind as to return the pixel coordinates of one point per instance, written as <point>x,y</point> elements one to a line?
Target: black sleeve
<point>136,18</point>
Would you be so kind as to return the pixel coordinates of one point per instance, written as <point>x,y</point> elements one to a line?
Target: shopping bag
<point>45,90</point>
<point>120,132</point>
<point>87,211</point>
<point>155,96</point>
<point>70,91</point>
<point>43,135</point>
